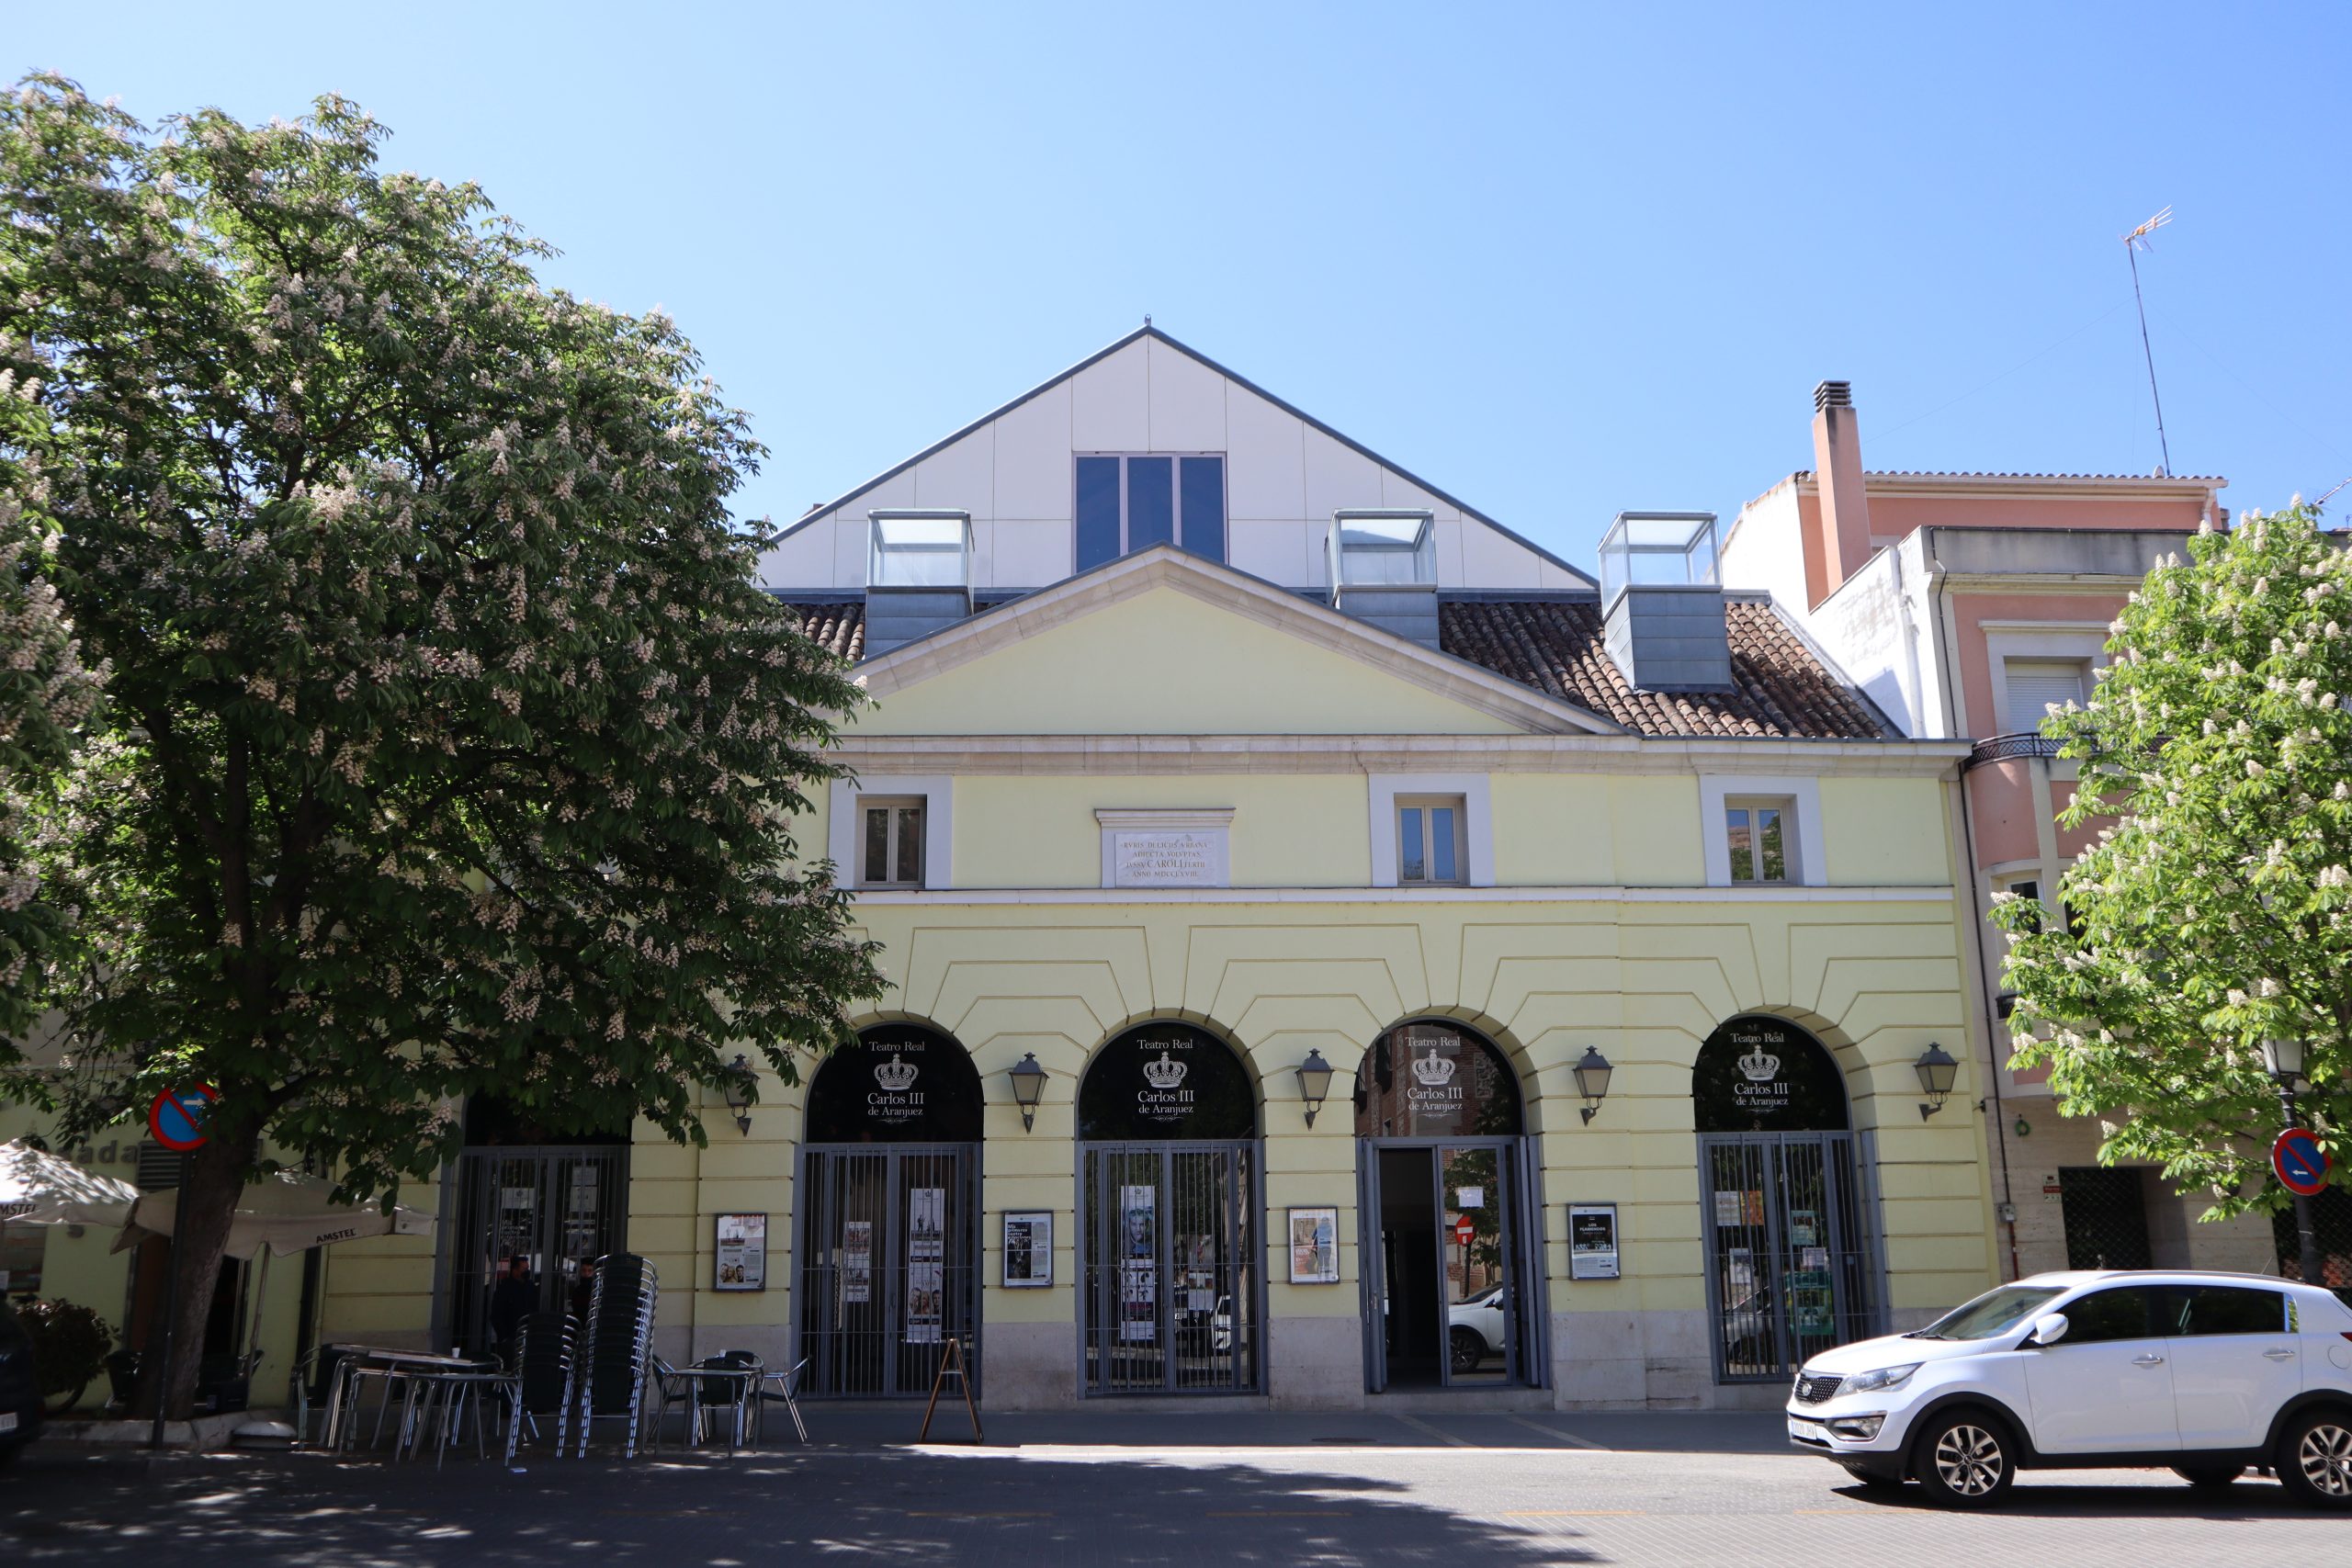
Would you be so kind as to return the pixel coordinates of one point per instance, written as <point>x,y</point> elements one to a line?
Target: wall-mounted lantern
<point>1313,1083</point>
<point>1592,1072</point>
<point>740,1082</point>
<point>1938,1070</point>
<point>1028,1088</point>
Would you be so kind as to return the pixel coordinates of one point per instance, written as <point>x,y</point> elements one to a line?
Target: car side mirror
<point>2049,1328</point>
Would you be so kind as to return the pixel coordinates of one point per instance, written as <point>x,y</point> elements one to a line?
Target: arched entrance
<point>1788,1264</point>
<point>1168,1203</point>
<point>889,1213</point>
<point>1448,1221</point>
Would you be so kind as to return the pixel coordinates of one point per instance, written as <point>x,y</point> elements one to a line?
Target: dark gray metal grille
<point>1790,1272</point>
<point>889,1266</point>
<point>1171,1282</point>
<point>556,1205</point>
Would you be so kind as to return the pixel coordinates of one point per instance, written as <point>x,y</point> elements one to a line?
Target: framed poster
<point>1314,1247</point>
<point>1028,1249</point>
<point>1592,1241</point>
<point>742,1254</point>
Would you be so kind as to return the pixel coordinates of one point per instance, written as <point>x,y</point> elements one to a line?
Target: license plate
<point>8,1420</point>
<point>1810,1431</point>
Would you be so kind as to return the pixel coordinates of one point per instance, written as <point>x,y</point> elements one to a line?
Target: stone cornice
<point>1177,754</point>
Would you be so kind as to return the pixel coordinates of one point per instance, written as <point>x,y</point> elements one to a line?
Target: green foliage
<point>69,1344</point>
<point>46,698</point>
<point>2212,913</point>
<point>455,746</point>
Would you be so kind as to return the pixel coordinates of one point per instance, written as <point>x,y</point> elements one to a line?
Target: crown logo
<point>1166,1073</point>
<point>1433,1070</point>
<point>1760,1065</point>
<point>896,1075</point>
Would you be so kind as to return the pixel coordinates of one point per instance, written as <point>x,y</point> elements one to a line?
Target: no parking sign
<point>178,1116</point>
<point>2301,1163</point>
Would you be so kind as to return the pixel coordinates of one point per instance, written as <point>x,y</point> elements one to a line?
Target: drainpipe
<point>1941,601</point>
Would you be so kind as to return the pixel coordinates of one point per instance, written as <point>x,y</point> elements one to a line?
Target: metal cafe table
<point>385,1365</point>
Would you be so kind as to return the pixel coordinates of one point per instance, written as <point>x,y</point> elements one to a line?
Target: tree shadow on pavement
<point>258,1512</point>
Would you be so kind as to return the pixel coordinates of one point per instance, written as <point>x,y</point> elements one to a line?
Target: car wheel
<point>2210,1477</point>
<point>2315,1459</point>
<point>1874,1480</point>
<point>8,1453</point>
<point>1469,1348</point>
<point>1965,1459</point>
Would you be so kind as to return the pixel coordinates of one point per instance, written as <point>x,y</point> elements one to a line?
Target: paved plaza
<point>1504,1490</point>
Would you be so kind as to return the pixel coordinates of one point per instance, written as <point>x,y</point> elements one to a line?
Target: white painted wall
<point>1283,479</point>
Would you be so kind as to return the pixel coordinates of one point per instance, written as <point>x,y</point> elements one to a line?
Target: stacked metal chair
<point>606,1378</point>
<point>542,1376</point>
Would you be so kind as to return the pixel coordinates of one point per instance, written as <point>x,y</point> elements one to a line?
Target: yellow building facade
<point>1337,954</point>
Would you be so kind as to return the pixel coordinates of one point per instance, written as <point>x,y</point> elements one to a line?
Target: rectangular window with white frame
<point>2038,687</point>
<point>890,841</point>
<point>2026,886</point>
<point>1430,841</point>
<point>1759,833</point>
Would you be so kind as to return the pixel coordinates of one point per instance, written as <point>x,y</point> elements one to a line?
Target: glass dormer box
<point>1658,550</point>
<point>1382,549</point>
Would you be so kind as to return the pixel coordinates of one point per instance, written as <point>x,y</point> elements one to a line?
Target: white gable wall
<point>1283,479</point>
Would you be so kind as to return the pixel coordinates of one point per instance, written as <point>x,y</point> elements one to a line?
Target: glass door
<point>1445,1300</point>
<point>1478,1284</point>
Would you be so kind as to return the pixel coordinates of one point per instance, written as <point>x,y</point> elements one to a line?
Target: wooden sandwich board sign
<point>951,1365</point>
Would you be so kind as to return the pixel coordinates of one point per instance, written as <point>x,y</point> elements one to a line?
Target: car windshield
<point>1994,1312</point>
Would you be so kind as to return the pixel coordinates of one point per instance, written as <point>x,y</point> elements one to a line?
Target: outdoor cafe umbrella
<point>285,1213</point>
<point>41,1189</point>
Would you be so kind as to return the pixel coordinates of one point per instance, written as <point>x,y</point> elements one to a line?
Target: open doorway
<point>1449,1253</point>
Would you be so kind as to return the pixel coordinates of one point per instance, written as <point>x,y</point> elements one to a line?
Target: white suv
<point>2204,1375</point>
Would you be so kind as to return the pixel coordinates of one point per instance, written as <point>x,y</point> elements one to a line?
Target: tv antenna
<point>2134,243</point>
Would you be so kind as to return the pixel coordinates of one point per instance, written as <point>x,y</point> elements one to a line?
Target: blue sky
<point>1559,260</point>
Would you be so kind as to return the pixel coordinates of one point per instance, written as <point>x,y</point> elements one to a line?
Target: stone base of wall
<point>1640,1360</point>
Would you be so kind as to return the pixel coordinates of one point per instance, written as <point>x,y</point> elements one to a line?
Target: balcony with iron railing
<point>2023,744</point>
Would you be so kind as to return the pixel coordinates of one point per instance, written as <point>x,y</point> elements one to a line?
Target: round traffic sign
<point>2301,1163</point>
<point>178,1116</point>
<point>1464,1230</point>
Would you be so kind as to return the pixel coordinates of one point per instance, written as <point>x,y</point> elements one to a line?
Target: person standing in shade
<point>583,1289</point>
<point>512,1299</point>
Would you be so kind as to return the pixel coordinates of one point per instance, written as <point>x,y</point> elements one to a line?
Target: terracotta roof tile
<point>837,629</point>
<point>1778,687</point>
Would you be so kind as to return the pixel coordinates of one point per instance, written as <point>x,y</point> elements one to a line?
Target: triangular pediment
<point>1162,643</point>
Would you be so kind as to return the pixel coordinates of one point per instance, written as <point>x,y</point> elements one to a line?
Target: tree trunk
<point>207,1203</point>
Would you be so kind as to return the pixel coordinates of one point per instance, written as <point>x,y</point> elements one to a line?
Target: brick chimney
<point>1844,541</point>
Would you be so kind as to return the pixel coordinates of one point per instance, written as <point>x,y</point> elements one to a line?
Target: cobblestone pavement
<point>1054,1504</point>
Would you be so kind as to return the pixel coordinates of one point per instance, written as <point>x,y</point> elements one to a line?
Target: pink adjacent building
<point>1968,605</point>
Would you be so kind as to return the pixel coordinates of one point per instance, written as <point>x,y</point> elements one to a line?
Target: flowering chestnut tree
<point>46,699</point>
<point>454,748</point>
<point>2215,909</point>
